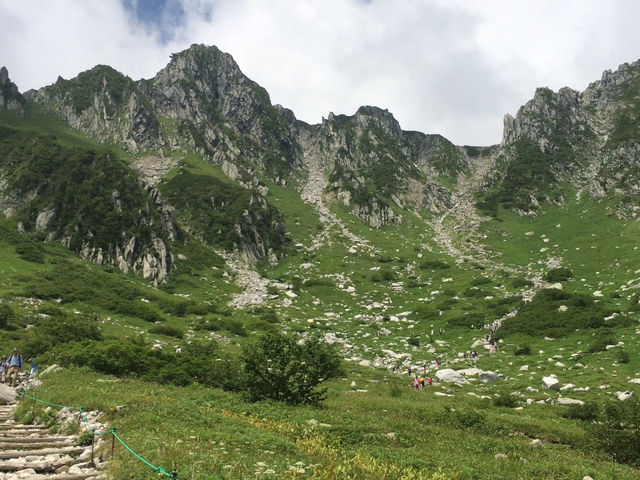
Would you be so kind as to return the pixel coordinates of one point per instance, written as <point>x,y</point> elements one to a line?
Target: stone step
<point>23,432</point>
<point>18,426</point>
<point>4,455</point>
<point>38,465</point>
<point>14,445</point>
<point>39,439</point>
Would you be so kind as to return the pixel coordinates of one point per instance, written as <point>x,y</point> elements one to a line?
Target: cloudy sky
<point>453,67</point>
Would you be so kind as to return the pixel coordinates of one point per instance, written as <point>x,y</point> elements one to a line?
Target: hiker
<point>15,365</point>
<point>416,383</point>
<point>409,369</point>
<point>3,368</point>
<point>421,382</point>
<point>33,372</point>
<point>430,381</point>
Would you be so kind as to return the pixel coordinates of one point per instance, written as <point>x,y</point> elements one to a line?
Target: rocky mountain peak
<point>382,117</point>
<point>10,97</point>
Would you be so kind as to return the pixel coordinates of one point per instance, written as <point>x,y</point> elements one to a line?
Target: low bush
<point>558,275</point>
<point>467,321</point>
<point>31,252</point>
<point>604,338</point>
<point>542,316</point>
<point>623,357</point>
<point>617,431</point>
<point>521,282</point>
<point>524,349</point>
<point>7,315</point>
<point>587,412</point>
<point>505,400</point>
<point>434,265</point>
<point>167,330</point>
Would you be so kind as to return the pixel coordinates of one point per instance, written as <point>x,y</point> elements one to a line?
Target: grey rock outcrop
<point>10,97</point>
<point>591,138</point>
<point>7,394</point>
<point>105,105</point>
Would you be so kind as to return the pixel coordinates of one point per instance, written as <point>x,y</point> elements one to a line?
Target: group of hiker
<point>420,382</point>
<point>11,366</point>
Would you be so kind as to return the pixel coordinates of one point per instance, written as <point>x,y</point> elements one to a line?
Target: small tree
<point>282,368</point>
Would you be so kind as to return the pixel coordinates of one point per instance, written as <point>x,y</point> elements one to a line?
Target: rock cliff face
<point>105,105</point>
<point>202,102</point>
<point>376,168</point>
<point>10,97</point>
<point>588,139</point>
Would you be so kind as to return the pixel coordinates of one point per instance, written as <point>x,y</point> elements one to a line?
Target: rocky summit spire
<point>10,97</point>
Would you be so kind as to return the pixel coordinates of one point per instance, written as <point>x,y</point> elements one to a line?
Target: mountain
<point>559,145</point>
<point>153,229</point>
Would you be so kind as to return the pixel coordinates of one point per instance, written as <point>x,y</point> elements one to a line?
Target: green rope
<point>157,469</point>
<point>112,431</point>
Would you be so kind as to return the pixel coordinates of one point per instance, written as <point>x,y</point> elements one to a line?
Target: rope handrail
<point>173,475</point>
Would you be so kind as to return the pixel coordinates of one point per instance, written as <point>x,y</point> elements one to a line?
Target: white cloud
<point>453,67</point>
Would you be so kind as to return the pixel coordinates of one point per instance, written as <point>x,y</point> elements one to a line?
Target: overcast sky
<point>453,67</point>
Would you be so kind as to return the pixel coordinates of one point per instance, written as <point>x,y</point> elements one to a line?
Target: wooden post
<point>93,441</point>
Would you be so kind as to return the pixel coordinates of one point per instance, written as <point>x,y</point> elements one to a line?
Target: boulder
<point>551,382</point>
<point>569,401</point>
<point>50,368</point>
<point>449,375</point>
<point>626,395</point>
<point>489,377</point>
<point>7,394</point>
<point>470,372</point>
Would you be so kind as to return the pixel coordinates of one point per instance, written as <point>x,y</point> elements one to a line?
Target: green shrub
<point>541,317</point>
<point>617,431</point>
<point>505,400</point>
<point>467,320</point>
<point>59,330</point>
<point>167,330</point>
<point>524,349</point>
<point>7,315</point>
<point>558,275</point>
<point>434,265</point>
<point>470,418</point>
<point>521,282</point>
<point>623,357</point>
<point>280,368</point>
<point>414,341</point>
<point>587,412</point>
<point>31,252</point>
<point>85,439</point>
<point>604,338</point>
